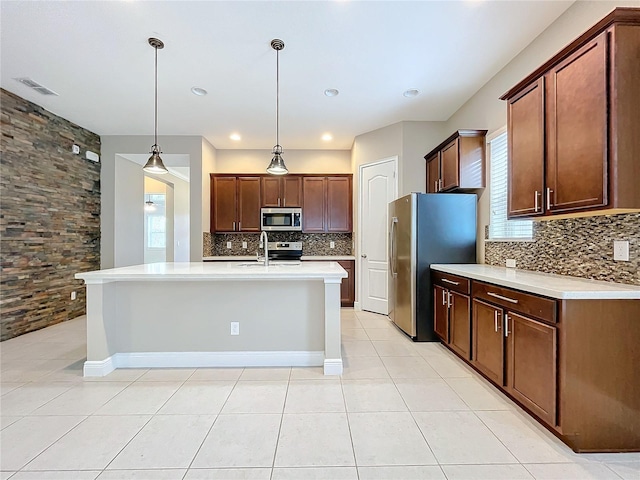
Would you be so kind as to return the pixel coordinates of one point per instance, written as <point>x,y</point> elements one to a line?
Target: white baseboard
<point>356,306</point>
<point>333,366</point>
<point>99,368</point>
<point>203,359</point>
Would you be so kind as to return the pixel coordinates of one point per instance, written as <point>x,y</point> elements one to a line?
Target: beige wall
<point>297,161</point>
<point>486,110</point>
<point>209,154</point>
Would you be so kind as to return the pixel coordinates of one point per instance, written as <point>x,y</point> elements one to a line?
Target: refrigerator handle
<point>392,245</point>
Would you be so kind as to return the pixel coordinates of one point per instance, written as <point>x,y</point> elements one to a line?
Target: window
<point>156,222</point>
<point>499,227</point>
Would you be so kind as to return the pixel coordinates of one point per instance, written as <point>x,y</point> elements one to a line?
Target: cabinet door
<point>433,173</point>
<point>347,288</point>
<point>339,204</point>
<point>249,204</point>
<point>313,203</point>
<point>223,204</point>
<point>577,144</point>
<point>532,365</point>
<point>441,313</point>
<point>449,166</point>
<point>460,324</point>
<point>488,344</point>
<point>525,137</point>
<point>271,191</point>
<point>291,191</point>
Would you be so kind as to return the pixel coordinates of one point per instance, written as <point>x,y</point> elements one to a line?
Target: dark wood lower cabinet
<point>488,343</point>
<point>572,363</point>
<point>460,324</point>
<point>532,361</point>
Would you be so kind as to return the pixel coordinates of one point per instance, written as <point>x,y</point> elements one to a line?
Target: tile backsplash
<point>312,243</point>
<point>581,247</point>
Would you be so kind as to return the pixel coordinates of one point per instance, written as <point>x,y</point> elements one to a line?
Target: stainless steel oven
<point>281,219</point>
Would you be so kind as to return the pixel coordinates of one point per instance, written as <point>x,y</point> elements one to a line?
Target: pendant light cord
<point>277,97</point>
<point>155,140</point>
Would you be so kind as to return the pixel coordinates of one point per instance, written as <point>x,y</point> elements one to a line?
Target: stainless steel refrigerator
<point>425,229</point>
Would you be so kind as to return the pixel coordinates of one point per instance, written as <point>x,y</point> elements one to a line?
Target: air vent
<point>36,86</point>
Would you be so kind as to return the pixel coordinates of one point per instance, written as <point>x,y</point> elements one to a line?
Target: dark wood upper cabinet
<point>235,203</point>
<point>248,204</point>
<point>223,204</point>
<point>577,126</point>
<point>459,163</point>
<point>327,204</point>
<point>433,173</point>
<point>282,191</point>
<point>313,204</point>
<point>339,203</point>
<point>526,122</point>
<point>292,191</point>
<point>576,119</point>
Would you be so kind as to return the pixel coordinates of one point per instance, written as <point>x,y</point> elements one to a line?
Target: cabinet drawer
<point>539,307</point>
<point>452,282</point>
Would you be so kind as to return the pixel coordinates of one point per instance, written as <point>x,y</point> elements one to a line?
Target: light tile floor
<point>402,410</point>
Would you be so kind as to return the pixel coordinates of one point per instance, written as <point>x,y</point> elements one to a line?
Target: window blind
<point>499,227</point>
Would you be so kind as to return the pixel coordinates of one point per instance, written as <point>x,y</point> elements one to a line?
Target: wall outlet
<point>621,250</point>
<point>244,245</point>
<point>235,328</point>
<point>332,244</point>
<point>229,245</point>
<point>511,263</point>
<point>75,149</point>
<point>73,295</point>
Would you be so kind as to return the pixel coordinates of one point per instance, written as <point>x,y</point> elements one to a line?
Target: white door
<point>379,187</point>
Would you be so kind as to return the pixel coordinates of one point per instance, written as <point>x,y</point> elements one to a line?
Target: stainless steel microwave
<point>281,219</point>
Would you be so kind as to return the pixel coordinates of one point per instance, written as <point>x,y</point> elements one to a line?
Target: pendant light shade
<point>155,164</point>
<point>277,166</point>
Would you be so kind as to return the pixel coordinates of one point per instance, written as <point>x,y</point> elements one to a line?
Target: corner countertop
<point>547,284</point>
<point>331,272</point>
<point>245,258</point>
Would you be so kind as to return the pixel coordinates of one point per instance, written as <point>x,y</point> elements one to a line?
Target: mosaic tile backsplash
<point>312,243</point>
<point>581,247</point>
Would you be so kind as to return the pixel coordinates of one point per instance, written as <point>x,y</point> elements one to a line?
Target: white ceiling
<point>95,55</point>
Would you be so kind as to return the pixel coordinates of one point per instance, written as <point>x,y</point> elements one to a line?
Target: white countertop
<point>201,271</point>
<point>244,258</point>
<point>547,284</point>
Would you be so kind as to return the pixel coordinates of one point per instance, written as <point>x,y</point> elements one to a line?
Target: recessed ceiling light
<point>327,137</point>
<point>198,91</point>
<point>331,92</point>
<point>412,92</point>
<point>235,136</point>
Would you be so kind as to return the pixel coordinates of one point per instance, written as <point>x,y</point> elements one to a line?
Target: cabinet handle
<point>507,299</point>
<point>435,185</point>
<point>278,202</point>
<point>239,226</point>
<point>284,202</point>
<point>444,301</point>
<point>496,313</point>
<point>449,299</point>
<point>450,281</point>
<point>440,184</point>
<point>506,326</point>
<point>535,201</point>
<point>234,226</point>
<point>549,192</point>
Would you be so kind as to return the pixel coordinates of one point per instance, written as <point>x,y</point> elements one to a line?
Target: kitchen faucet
<point>265,241</point>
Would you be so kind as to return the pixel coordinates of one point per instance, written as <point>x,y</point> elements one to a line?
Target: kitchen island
<point>222,314</point>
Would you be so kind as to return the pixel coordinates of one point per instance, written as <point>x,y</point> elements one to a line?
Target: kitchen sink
<point>272,263</point>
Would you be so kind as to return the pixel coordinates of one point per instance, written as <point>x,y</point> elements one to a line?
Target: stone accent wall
<point>581,247</point>
<point>49,216</point>
<point>312,243</point>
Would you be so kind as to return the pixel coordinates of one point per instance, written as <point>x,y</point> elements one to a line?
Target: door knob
<point>364,255</point>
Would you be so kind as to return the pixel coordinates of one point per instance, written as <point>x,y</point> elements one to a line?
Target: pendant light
<point>277,166</point>
<point>154,164</point>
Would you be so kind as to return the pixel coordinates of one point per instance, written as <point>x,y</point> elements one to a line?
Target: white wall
<point>297,161</point>
<point>122,187</point>
<point>486,110</point>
